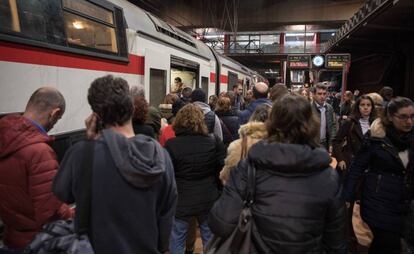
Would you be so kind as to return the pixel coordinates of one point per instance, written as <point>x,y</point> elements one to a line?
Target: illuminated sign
<point>299,61</point>
<point>337,60</point>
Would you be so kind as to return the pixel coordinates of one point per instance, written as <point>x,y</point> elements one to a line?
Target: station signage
<point>299,61</point>
<point>337,61</point>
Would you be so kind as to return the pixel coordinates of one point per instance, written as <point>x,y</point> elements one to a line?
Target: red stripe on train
<point>212,77</point>
<point>32,55</point>
<point>223,79</point>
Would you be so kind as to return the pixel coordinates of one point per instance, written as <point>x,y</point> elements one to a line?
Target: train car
<point>69,43</point>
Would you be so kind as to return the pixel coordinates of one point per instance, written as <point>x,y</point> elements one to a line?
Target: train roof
<point>152,27</point>
<point>232,64</point>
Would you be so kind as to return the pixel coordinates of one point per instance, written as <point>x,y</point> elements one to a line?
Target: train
<point>69,43</point>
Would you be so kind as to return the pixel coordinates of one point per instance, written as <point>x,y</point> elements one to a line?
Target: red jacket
<point>27,167</point>
<point>166,133</point>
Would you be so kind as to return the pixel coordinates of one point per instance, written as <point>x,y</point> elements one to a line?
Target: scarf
<point>401,142</point>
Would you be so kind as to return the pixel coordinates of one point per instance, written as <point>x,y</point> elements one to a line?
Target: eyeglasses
<point>404,117</point>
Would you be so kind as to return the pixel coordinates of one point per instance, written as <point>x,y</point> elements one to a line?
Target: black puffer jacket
<point>229,125</point>
<point>298,206</point>
<point>387,187</point>
<point>197,161</point>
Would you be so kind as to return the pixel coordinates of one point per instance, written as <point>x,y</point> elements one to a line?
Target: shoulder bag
<point>245,238</point>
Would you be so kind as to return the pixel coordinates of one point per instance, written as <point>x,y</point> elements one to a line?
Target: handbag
<point>68,236</point>
<point>245,238</point>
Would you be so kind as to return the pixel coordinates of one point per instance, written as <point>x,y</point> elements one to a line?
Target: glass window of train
<point>87,33</point>
<point>32,19</point>
<point>9,17</point>
<point>90,9</point>
<point>41,20</point>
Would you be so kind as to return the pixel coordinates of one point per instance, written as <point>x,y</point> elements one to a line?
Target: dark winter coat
<point>298,206</point>
<point>142,128</point>
<point>245,115</point>
<point>347,141</point>
<point>197,161</point>
<point>27,167</point>
<point>345,109</point>
<point>133,193</point>
<point>387,185</point>
<point>229,125</point>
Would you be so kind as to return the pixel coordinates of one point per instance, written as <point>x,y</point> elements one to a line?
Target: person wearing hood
<point>387,184</point>
<point>198,98</point>
<point>297,206</point>
<point>27,167</point>
<point>197,158</point>
<point>133,188</point>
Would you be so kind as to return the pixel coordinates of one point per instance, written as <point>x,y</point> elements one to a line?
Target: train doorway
<point>186,70</point>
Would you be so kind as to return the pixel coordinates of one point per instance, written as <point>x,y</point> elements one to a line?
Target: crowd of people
<point>158,174</point>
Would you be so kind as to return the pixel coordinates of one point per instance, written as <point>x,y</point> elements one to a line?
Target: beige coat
<point>251,133</point>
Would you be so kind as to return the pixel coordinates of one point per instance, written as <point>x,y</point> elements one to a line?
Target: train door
<point>158,88</point>
<point>186,70</point>
<point>156,65</point>
<point>232,80</point>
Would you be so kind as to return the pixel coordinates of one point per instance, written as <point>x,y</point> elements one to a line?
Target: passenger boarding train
<point>69,43</point>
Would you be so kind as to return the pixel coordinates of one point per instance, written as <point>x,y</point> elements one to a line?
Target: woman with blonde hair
<point>197,158</point>
<point>250,133</point>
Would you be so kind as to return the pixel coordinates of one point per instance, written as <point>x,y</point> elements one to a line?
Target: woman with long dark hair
<point>386,162</point>
<point>348,139</point>
<point>347,143</point>
<point>297,206</point>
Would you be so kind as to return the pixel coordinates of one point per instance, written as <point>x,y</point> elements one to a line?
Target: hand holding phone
<point>91,126</point>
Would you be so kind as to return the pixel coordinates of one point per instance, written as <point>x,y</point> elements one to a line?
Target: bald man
<point>260,94</point>
<point>27,167</point>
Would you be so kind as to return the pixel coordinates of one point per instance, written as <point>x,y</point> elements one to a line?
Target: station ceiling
<point>258,15</point>
<point>234,16</point>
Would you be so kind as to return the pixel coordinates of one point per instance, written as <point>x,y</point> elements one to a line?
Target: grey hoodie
<point>133,189</point>
<point>217,126</point>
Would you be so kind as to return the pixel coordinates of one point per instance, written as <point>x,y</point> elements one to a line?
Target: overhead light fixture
<point>78,25</point>
<point>299,34</point>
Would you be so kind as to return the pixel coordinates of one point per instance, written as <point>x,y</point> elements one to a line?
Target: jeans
<point>179,234</point>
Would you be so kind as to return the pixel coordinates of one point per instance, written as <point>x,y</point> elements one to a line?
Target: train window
<point>92,28</point>
<point>90,10</point>
<point>9,16</point>
<point>83,32</point>
<point>28,19</point>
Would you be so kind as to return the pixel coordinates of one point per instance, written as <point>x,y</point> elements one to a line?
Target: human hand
<point>342,165</point>
<point>333,162</point>
<point>90,124</point>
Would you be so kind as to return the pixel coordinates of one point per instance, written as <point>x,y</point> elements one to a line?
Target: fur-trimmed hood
<point>253,132</point>
<point>377,129</point>
<point>256,130</point>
